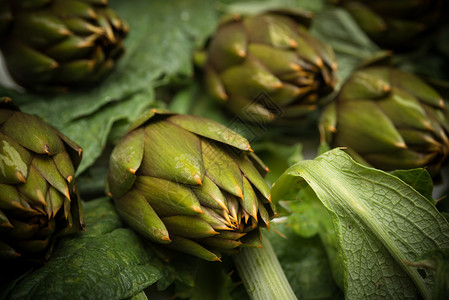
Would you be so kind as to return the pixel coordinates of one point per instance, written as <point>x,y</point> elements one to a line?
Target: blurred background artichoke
<point>268,66</point>
<point>191,184</point>
<point>398,25</point>
<point>389,119</point>
<point>57,44</point>
<point>38,197</point>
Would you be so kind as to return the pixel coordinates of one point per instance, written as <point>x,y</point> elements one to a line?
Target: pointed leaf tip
<point>334,66</point>
<point>198,209</point>
<point>241,53</point>
<point>165,238</point>
<point>67,193</point>
<point>332,128</point>
<point>401,145</point>
<point>293,43</point>
<point>21,177</point>
<point>295,67</point>
<point>240,192</point>
<point>41,197</point>
<point>197,178</point>
<point>223,96</point>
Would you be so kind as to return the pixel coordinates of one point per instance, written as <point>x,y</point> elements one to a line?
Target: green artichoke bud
<point>38,196</point>
<point>190,184</point>
<point>389,119</point>
<point>52,45</point>
<point>400,24</point>
<point>269,66</point>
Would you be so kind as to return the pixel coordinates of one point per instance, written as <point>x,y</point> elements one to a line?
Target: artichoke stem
<point>262,273</point>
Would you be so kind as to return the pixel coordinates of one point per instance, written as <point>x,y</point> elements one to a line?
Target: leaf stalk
<point>262,274</point>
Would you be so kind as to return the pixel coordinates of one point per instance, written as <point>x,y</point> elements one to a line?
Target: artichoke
<point>400,24</point>
<point>190,184</point>
<point>52,45</point>
<point>389,119</point>
<point>268,66</point>
<point>38,196</point>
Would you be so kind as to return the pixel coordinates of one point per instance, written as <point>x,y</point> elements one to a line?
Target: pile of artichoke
<point>39,199</point>
<point>190,184</point>
<point>57,44</point>
<point>186,182</point>
<point>268,66</point>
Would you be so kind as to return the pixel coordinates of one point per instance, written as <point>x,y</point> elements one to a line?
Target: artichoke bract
<point>268,66</point>
<point>190,184</point>
<point>39,200</point>
<point>397,25</point>
<point>389,119</point>
<point>52,45</point>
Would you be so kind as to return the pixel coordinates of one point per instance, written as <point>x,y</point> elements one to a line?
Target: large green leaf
<point>419,179</point>
<point>380,221</point>
<point>105,262</point>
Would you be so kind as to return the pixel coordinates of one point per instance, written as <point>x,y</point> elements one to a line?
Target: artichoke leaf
<point>366,84</point>
<point>188,226</point>
<point>253,175</point>
<point>35,189</point>
<point>249,202</point>
<point>209,194</point>
<point>168,198</point>
<point>33,134</point>
<point>192,248</point>
<point>9,197</point>
<point>221,168</point>
<point>221,243</point>
<point>404,110</point>
<point>135,209</point>
<point>125,160</point>
<point>175,157</point>
<point>14,161</point>
<point>210,129</point>
<point>47,168</point>
<point>417,88</point>
<point>378,127</point>
<point>230,46</point>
